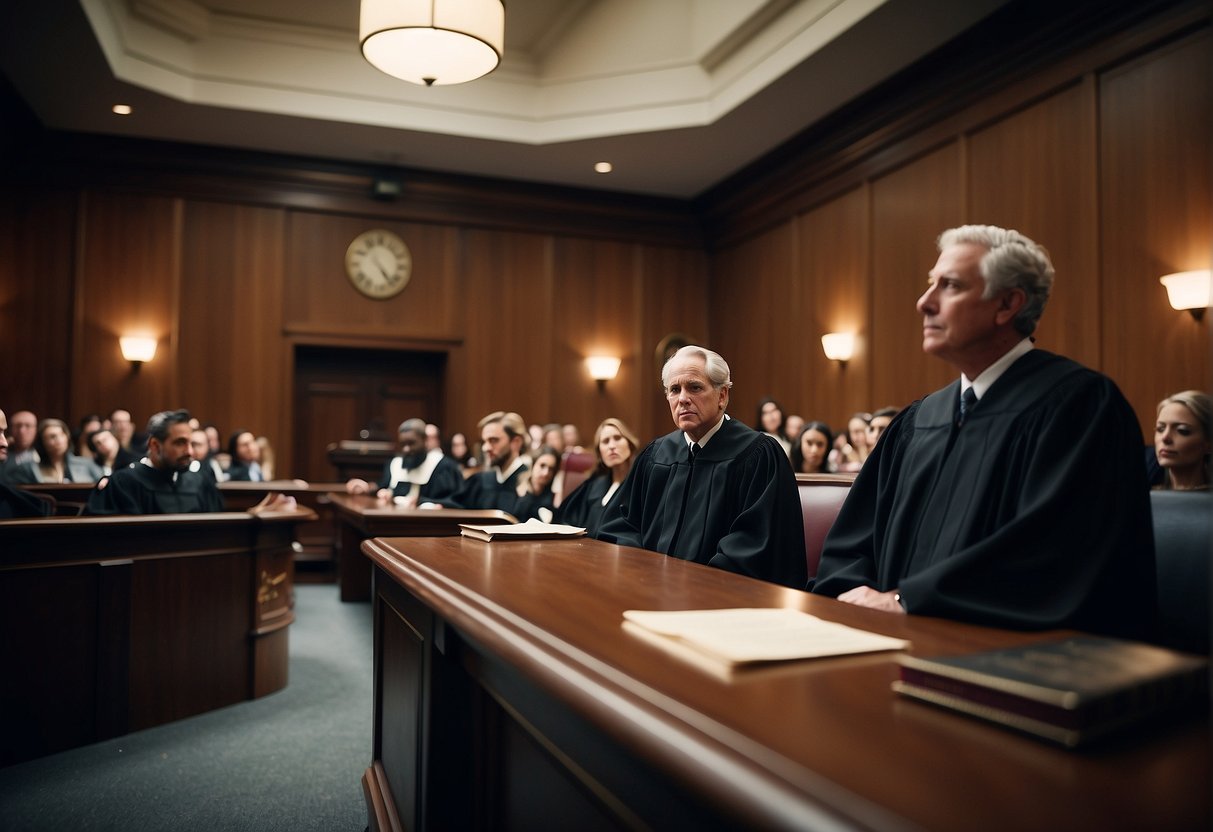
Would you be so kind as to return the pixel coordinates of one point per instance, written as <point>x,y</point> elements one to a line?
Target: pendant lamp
<point>433,42</point>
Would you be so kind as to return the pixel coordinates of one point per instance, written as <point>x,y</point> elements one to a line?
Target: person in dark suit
<point>246,458</point>
<point>503,437</point>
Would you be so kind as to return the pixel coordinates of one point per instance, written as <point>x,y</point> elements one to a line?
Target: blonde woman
<point>614,448</point>
<point>1182,440</point>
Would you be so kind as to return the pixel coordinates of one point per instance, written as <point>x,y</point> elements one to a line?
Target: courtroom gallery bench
<point>114,624</point>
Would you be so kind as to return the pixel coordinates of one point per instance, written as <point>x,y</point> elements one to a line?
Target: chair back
<point>1183,547</point>
<point>821,496</point>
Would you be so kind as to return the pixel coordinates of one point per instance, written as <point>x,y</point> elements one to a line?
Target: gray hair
<point>412,426</point>
<point>1012,262</point>
<point>715,367</point>
<point>158,425</point>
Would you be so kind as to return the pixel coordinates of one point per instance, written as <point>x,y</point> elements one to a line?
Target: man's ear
<point>1009,305</point>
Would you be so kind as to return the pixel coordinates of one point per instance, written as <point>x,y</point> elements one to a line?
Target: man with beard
<point>162,483</point>
<point>504,437</point>
<point>417,475</point>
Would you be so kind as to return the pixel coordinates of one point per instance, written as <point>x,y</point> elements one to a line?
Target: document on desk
<point>732,638</point>
<point>530,530</point>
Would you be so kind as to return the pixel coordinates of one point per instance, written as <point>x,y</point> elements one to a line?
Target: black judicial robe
<point>142,489</point>
<point>528,505</point>
<point>584,506</point>
<point>482,491</point>
<point>444,481</point>
<point>17,503</point>
<point>736,507</point>
<point>1034,514</point>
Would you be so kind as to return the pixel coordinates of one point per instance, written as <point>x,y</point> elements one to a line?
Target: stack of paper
<point>530,530</point>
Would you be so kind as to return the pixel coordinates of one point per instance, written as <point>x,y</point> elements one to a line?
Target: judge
<point>161,482</point>
<point>503,436</point>
<point>417,474</point>
<point>713,491</point>
<point>1013,497</point>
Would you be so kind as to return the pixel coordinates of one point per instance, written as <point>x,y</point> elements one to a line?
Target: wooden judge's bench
<point>507,695</point>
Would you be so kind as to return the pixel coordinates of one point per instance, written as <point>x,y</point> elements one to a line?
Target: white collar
<point>502,476</point>
<point>991,374</point>
<point>707,436</point>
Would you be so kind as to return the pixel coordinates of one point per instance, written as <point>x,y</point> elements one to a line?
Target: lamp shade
<point>602,367</point>
<point>838,346</point>
<point>137,349</point>
<point>433,42</point>
<point>1188,290</point>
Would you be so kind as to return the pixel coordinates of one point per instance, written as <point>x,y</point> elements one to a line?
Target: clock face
<point>379,264</point>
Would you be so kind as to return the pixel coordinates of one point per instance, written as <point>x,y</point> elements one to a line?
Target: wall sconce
<point>137,350</point>
<point>602,369</point>
<point>1188,290</point>
<point>839,346</point>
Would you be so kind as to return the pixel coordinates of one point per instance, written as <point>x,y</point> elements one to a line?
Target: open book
<point>530,530</point>
<point>722,641</point>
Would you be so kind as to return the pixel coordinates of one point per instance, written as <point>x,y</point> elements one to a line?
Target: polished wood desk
<point>113,624</point>
<point>363,516</point>
<point>507,695</point>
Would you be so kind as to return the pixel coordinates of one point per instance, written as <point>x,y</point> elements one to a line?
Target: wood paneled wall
<point>233,261</point>
<point>1105,160</point>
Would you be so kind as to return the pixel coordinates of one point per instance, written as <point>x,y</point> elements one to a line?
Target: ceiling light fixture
<point>433,42</point>
<point>603,167</point>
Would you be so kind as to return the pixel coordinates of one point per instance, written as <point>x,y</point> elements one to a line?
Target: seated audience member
<point>615,447</point>
<point>536,499</point>
<point>792,426</point>
<point>433,437</point>
<point>107,453</point>
<point>56,462</point>
<point>572,439</point>
<point>80,444</point>
<point>461,453</point>
<point>246,458</point>
<point>200,446</point>
<point>161,483</point>
<point>503,437</point>
<point>770,421</point>
<point>535,435</point>
<point>877,424</point>
<point>810,454</point>
<point>267,457</point>
<point>851,448</point>
<point>23,429</point>
<point>1182,440</point>
<point>123,426</point>
<point>416,475</point>
<point>1013,497</point>
<point>13,501</point>
<point>553,437</point>
<point>713,491</point>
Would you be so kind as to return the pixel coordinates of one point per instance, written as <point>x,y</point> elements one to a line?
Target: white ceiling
<point>677,94</point>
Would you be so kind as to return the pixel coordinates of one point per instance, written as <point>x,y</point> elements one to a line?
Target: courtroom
<point>694,414</point>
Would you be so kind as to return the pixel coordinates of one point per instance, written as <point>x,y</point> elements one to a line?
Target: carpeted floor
<point>288,761</point>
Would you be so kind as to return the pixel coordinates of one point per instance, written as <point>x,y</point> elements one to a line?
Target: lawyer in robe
<point>713,491</point>
<point>503,436</point>
<point>161,482</point>
<point>1014,497</point>
<point>417,474</point>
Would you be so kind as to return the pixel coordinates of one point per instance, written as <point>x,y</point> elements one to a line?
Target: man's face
<point>23,429</point>
<point>122,426</point>
<point>412,448</point>
<point>200,445</point>
<point>499,448</point>
<point>876,429</point>
<point>106,444</point>
<point>175,452</point>
<point>956,322</point>
<point>3,437</point>
<point>694,403</point>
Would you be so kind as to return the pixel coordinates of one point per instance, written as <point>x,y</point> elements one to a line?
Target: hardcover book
<point>530,530</point>
<point>1069,691</point>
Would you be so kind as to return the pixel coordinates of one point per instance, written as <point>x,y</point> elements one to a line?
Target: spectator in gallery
<point>877,424</point>
<point>56,462</point>
<point>792,426</point>
<point>15,502</point>
<point>123,426</point>
<point>1182,440</point>
<point>771,422</point>
<point>537,499</point>
<point>851,446</point>
<point>22,430</point>
<point>461,453</point>
<point>615,446</point>
<point>246,458</point>
<point>107,453</point>
<point>811,453</point>
<point>204,461</point>
<point>87,425</point>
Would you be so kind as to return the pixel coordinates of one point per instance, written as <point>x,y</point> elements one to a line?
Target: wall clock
<point>379,264</point>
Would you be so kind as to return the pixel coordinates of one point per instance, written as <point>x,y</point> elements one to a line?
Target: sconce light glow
<point>603,167</point>
<point>602,367</point>
<point>838,346</point>
<point>122,109</point>
<point>1189,290</point>
<point>136,349</point>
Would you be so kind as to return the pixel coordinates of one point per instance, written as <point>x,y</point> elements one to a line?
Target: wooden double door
<point>343,393</point>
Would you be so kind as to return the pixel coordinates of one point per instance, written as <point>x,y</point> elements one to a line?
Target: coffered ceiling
<point>676,94</point>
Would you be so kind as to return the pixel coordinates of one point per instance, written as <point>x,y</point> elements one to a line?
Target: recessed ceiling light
<point>603,167</point>
<point>122,109</point>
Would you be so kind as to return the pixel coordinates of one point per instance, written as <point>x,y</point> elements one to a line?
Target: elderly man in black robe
<point>162,482</point>
<point>1016,496</point>
<point>713,491</point>
<point>418,474</point>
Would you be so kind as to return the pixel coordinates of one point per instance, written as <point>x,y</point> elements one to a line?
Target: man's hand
<point>274,502</point>
<point>357,486</point>
<point>865,596</point>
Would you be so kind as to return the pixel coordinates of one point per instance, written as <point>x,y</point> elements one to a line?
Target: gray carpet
<point>291,760</point>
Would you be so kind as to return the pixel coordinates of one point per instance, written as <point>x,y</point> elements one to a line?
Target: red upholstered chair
<point>821,496</point>
<point>574,469</point>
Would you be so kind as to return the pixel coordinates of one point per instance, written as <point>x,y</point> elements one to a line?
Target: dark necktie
<point>967,402</point>
<point>694,450</point>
